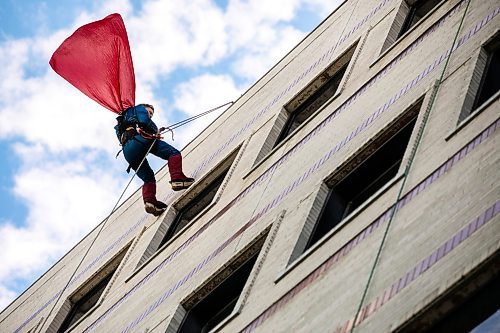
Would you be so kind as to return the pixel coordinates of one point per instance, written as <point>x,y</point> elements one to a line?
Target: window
<point>484,83</point>
<point>307,102</point>
<point>479,314</point>
<point>362,183</point>
<point>194,207</point>
<point>416,10</point>
<point>87,297</point>
<point>489,82</point>
<point>199,198</point>
<point>217,299</point>
<point>190,205</point>
<point>219,304</point>
<point>409,13</point>
<point>359,179</point>
<point>315,95</point>
<point>470,306</point>
<point>81,306</point>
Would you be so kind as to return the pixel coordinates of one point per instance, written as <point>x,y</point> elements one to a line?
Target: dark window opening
<point>194,207</point>
<point>490,82</point>
<point>484,83</point>
<point>478,314</point>
<point>219,303</point>
<point>371,175</point>
<point>314,95</point>
<point>311,104</point>
<point>80,307</point>
<point>198,198</point>
<point>417,10</point>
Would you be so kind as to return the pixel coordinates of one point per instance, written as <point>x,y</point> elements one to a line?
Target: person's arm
<point>144,121</point>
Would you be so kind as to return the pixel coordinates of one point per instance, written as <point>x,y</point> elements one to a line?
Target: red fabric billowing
<point>96,59</point>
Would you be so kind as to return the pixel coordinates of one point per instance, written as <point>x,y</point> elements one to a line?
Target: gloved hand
<point>162,129</point>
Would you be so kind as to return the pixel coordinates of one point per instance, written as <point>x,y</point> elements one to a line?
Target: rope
<point>154,138</point>
<point>408,167</point>
<point>149,136</point>
<point>98,233</point>
<point>185,121</point>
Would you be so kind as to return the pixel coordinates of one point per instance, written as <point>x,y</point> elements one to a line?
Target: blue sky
<point>57,146</point>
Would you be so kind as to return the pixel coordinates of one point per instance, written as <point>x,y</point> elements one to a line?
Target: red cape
<point>96,59</point>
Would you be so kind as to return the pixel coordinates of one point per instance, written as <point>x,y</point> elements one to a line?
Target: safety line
<point>72,278</point>
<point>344,250</point>
<point>409,165</point>
<point>423,265</point>
<point>95,238</point>
<point>188,120</point>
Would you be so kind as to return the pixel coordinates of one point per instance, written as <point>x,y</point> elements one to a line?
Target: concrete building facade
<point>354,187</point>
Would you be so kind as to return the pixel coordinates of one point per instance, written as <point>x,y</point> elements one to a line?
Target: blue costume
<point>136,148</point>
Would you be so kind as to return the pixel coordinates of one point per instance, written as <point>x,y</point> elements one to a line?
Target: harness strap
<point>148,136</point>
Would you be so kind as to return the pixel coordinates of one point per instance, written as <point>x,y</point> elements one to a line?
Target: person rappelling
<point>137,133</point>
<point>96,59</point>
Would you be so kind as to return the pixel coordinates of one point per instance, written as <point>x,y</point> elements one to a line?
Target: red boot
<point>178,179</point>
<point>151,205</point>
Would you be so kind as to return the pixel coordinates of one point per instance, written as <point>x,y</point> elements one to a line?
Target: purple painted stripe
<point>443,250</point>
<point>415,272</point>
<point>321,59</point>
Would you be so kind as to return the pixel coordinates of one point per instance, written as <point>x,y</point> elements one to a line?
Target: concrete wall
<point>445,225</point>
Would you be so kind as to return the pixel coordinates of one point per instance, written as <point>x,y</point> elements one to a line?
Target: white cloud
<point>13,58</point>
<point>6,296</point>
<point>57,219</point>
<point>166,35</point>
<point>200,94</point>
<point>261,57</point>
<point>322,7</point>
<point>54,114</point>
<point>65,141</point>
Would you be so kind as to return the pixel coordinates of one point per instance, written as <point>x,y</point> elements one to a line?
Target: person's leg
<point>151,204</point>
<point>134,153</point>
<point>178,179</point>
<point>164,150</point>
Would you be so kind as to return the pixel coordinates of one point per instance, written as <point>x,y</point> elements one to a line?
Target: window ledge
<point>292,134</point>
<point>472,116</point>
<point>225,321</point>
<point>409,31</point>
<point>85,316</point>
<point>170,241</point>
<point>291,266</point>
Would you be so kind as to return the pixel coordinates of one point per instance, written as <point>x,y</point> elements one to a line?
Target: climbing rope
<point>185,121</point>
<point>154,138</point>
<point>413,152</point>
<point>98,233</point>
<point>170,128</point>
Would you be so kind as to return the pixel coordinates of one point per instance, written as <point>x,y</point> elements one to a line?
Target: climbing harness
<point>148,136</point>
<point>407,169</point>
<point>129,132</point>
